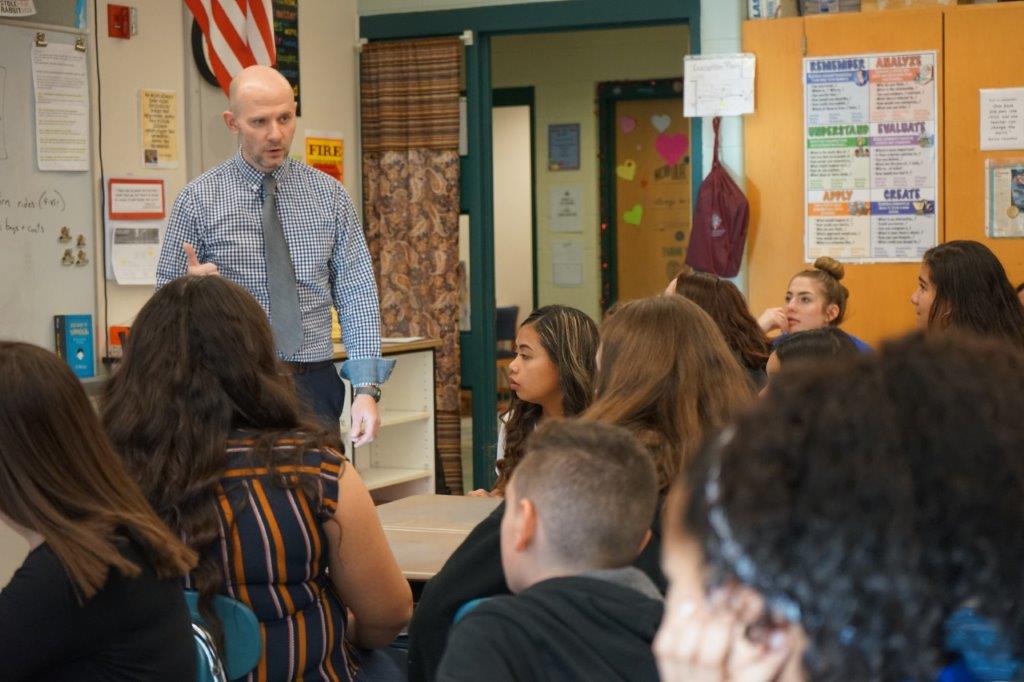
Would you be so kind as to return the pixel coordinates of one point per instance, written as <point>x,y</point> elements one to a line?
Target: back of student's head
<point>720,299</point>
<point>972,292</point>
<point>823,343</point>
<point>60,478</point>
<point>594,488</point>
<point>666,374</point>
<point>200,363</point>
<point>872,513</point>
<point>569,338</point>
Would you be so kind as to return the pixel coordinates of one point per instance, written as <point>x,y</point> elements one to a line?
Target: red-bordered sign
<point>135,199</point>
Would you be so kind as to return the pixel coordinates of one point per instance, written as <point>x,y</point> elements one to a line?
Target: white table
<point>424,530</point>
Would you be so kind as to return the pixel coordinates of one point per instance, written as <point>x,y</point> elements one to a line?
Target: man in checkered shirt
<point>216,228</point>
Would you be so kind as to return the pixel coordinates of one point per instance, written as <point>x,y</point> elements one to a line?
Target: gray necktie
<point>284,295</point>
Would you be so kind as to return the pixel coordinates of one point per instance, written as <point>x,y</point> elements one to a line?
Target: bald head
<point>255,82</point>
<point>261,111</point>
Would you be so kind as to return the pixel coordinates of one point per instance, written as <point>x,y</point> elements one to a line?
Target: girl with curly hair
<point>870,532</point>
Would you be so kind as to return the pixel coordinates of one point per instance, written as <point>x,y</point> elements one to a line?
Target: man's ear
<point>526,525</point>
<point>643,541</point>
<point>230,121</point>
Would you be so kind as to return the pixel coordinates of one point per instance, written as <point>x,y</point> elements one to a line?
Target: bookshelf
<point>400,462</point>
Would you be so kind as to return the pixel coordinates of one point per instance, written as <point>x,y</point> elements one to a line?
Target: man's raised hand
<point>194,266</point>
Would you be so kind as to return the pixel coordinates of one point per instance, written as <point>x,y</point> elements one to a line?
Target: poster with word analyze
<point>870,157</point>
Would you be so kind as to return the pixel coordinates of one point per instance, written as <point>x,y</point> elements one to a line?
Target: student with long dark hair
<point>209,423</point>
<point>863,524</point>
<point>99,596</point>
<point>720,299</point>
<point>963,286</point>
<point>551,376</point>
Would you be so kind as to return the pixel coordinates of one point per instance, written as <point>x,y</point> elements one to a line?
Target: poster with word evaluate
<point>870,157</point>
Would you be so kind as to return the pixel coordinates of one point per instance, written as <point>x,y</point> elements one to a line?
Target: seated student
<point>824,343</point>
<point>815,298</point>
<point>963,286</point>
<point>551,376</point>
<point>720,299</point>
<point>665,374</point>
<point>99,595</point>
<point>865,523</point>
<point>581,612</point>
<point>211,426</point>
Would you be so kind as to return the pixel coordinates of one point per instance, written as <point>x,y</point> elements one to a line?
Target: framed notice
<point>870,156</point>
<point>563,146</point>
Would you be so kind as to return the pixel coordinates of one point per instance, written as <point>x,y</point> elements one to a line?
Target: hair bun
<point>831,266</point>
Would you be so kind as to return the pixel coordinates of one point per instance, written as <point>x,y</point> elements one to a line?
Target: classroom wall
<point>564,69</point>
<point>160,57</point>
<point>369,7</point>
<point>513,215</point>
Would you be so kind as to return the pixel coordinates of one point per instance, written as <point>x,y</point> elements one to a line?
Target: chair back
<point>242,644</point>
<point>506,318</point>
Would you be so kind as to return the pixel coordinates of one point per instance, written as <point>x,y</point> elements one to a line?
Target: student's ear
<point>526,525</point>
<point>230,121</point>
<point>643,541</point>
<point>832,311</point>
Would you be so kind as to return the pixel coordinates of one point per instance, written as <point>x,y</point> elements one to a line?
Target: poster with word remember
<point>870,160</point>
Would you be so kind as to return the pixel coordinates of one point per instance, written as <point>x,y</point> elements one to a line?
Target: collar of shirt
<point>253,177</point>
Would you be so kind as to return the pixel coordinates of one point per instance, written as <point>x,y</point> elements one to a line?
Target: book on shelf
<point>73,342</point>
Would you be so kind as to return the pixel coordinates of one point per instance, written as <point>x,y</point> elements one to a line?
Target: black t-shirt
<point>132,629</point>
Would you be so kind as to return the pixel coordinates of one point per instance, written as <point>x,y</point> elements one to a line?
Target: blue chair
<point>506,318</point>
<point>242,647</point>
<point>467,607</point>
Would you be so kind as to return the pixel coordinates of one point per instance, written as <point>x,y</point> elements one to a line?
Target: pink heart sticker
<point>672,147</point>
<point>627,124</point>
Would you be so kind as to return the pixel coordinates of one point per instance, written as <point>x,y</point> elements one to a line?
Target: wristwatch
<point>372,390</point>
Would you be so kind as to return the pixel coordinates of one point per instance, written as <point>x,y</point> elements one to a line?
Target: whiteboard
<point>34,285</point>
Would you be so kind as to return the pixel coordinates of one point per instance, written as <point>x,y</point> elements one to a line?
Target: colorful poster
<point>325,151</point>
<point>870,161</point>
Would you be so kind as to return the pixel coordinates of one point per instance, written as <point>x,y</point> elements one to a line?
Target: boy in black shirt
<point>577,513</point>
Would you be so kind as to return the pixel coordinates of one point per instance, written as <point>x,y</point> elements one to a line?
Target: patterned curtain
<point>410,145</point>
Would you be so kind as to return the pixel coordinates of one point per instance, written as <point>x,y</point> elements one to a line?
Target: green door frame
<point>523,97</point>
<point>607,95</point>
<point>478,344</point>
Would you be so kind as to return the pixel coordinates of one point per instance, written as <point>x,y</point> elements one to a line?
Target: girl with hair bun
<point>816,298</point>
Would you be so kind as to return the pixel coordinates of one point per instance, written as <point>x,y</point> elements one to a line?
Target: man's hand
<point>194,266</point>
<point>365,420</point>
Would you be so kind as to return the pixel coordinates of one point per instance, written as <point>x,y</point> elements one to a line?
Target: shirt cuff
<point>363,371</point>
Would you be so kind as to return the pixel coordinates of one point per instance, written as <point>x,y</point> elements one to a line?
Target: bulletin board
<point>34,206</point>
<point>973,64</point>
<point>652,194</point>
<point>774,158</point>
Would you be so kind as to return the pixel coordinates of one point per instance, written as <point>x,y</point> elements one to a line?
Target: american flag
<point>238,33</point>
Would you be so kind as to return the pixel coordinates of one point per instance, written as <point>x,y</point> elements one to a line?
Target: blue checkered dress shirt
<point>219,213</point>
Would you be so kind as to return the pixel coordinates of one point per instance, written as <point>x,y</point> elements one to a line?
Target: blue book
<point>72,336</point>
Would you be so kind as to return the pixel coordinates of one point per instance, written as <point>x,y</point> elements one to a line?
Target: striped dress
<point>274,552</point>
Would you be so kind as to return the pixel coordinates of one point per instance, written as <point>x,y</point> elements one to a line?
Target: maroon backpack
<point>719,223</point>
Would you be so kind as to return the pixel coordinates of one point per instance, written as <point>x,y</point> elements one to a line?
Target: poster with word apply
<point>870,157</point>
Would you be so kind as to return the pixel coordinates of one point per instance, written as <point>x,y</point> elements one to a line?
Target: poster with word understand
<point>870,161</point>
